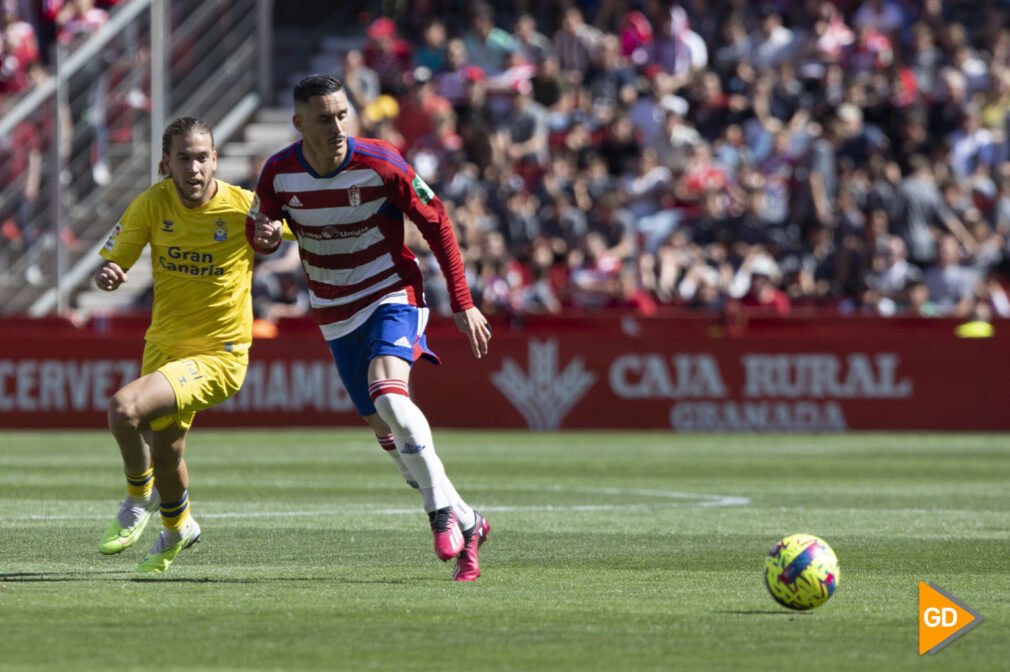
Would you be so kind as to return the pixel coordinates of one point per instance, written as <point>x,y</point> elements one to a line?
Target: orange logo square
<point>942,618</point>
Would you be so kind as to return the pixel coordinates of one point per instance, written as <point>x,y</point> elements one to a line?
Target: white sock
<point>414,442</point>
<point>388,445</point>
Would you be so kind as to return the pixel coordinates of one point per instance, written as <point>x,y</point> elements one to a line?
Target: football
<point>801,572</point>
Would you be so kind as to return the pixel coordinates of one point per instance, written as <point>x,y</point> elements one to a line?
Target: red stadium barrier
<point>578,372</point>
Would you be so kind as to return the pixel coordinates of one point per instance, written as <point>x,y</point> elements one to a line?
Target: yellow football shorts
<point>199,381</point>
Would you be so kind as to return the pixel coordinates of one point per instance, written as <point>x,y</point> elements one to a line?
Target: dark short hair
<point>181,127</point>
<point>316,85</point>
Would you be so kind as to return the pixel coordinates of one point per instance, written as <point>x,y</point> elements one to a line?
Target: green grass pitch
<point>608,551</point>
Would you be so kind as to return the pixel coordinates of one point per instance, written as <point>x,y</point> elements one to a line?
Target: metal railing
<point>86,138</point>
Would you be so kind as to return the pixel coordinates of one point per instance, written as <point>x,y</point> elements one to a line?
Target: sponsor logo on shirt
<point>422,190</point>
<point>110,244</point>
<point>295,202</point>
<point>189,262</point>
<point>166,226</point>
<point>333,232</point>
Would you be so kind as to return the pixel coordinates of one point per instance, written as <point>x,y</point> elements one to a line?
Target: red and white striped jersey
<point>349,226</point>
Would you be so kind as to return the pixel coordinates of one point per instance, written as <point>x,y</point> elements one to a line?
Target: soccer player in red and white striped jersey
<point>344,198</point>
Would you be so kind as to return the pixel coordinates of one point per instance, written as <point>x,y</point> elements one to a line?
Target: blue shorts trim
<point>393,329</point>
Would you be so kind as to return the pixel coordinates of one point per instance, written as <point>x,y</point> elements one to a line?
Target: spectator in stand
<point>20,180</point>
<point>530,42</point>
<point>487,45</point>
<point>501,87</point>
<point>361,82</point>
<point>677,138</point>
<point>883,16</point>
<point>615,225</point>
<point>433,52</point>
<point>892,275</point>
<point>926,57</point>
<point>636,36</point>
<point>988,251</point>
<point>79,18</point>
<point>703,286</point>
<point>549,85</point>
<point>526,132</point>
<point>608,84</point>
<point>871,51</point>
<point>951,285</point>
<point>421,108</point>
<point>540,294</point>
<point>453,81</point>
<point>577,45</point>
<point>702,177</point>
<point>387,54</point>
<point>759,274</point>
<point>645,191</point>
<point>922,212</point>
<point>965,60</point>
<point>19,50</point>
<point>777,171</point>
<point>562,224</point>
<point>710,110</point>
<point>995,105</point>
<point>595,275</point>
<point>772,43</point>
<point>947,103</point>
<point>499,277</point>
<point>676,48</point>
<point>991,292</point>
<point>971,145</point>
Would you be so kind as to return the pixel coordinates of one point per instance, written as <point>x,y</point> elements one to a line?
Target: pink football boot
<point>467,562</point>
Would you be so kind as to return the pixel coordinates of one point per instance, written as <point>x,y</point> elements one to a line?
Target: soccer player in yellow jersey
<point>197,345</point>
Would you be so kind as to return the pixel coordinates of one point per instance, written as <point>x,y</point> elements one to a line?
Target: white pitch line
<point>701,500</point>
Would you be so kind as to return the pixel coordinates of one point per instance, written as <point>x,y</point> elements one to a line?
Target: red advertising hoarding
<point>564,379</point>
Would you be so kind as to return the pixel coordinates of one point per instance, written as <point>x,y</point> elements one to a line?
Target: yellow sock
<point>139,486</point>
<point>175,515</point>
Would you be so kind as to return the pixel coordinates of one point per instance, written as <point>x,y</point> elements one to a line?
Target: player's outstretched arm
<point>473,323</point>
<point>110,276</point>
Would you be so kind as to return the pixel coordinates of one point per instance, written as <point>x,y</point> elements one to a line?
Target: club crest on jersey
<point>220,232</point>
<point>166,225</point>
<point>354,196</point>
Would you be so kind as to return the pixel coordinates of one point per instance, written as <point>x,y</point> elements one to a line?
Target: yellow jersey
<point>202,267</point>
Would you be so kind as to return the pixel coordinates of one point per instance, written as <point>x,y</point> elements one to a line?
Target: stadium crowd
<point>29,30</point>
<point>846,154</point>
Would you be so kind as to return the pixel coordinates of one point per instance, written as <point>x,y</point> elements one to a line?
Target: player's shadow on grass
<point>119,574</point>
<point>27,577</point>
<point>272,579</point>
